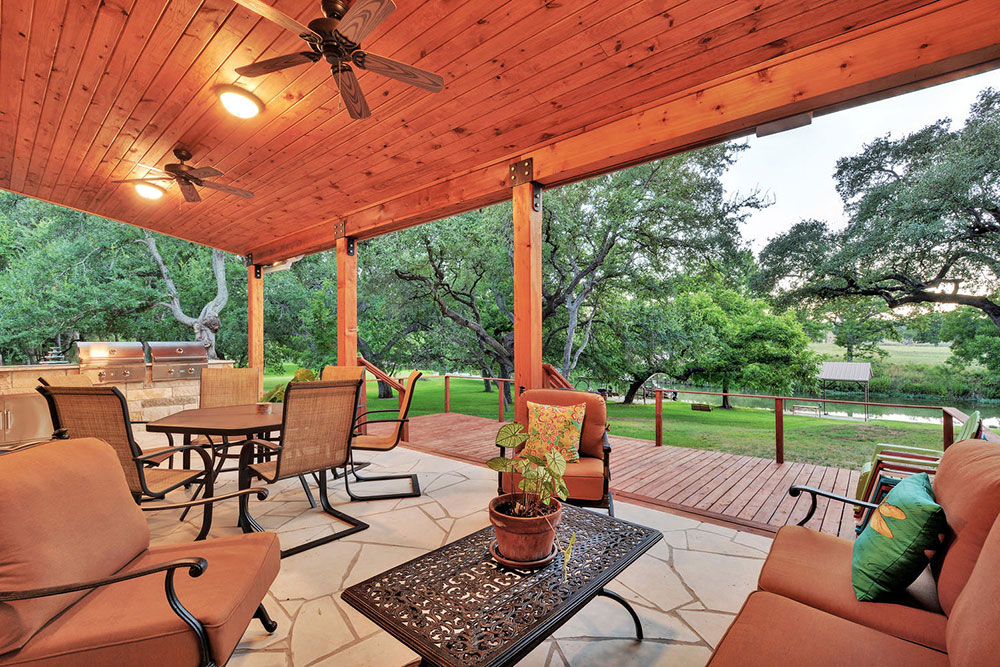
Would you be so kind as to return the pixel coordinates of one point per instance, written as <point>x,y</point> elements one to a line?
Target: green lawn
<point>742,430</point>
<point>898,354</point>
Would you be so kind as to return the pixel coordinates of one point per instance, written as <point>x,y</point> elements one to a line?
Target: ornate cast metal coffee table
<point>457,606</point>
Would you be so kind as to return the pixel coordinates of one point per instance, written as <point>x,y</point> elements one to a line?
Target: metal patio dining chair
<point>102,413</point>
<point>318,424</point>
<point>385,443</point>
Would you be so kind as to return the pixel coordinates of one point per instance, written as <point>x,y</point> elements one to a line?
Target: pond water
<point>989,411</point>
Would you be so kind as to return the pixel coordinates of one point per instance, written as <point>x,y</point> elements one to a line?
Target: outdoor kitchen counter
<point>147,400</point>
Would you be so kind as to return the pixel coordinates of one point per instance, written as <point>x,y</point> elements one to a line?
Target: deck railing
<point>948,415</point>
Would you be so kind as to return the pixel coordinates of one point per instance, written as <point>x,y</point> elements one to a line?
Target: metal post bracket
<point>522,172</point>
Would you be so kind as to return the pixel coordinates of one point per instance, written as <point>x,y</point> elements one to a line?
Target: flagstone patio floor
<point>686,589</point>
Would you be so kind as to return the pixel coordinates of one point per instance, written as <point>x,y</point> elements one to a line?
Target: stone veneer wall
<point>147,400</point>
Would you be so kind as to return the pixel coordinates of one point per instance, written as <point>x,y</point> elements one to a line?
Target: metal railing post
<point>447,393</point>
<point>779,430</point>
<point>659,417</point>
<point>500,391</point>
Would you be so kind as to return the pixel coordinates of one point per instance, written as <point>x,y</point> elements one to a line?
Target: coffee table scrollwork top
<point>457,606</point>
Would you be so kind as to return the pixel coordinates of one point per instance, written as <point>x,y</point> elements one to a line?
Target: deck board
<point>748,490</point>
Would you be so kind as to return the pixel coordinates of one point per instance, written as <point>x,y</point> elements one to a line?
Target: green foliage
<point>974,339</point>
<point>277,394</point>
<point>924,225</point>
<point>541,478</point>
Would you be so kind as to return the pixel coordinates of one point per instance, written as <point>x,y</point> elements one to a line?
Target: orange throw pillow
<point>555,427</point>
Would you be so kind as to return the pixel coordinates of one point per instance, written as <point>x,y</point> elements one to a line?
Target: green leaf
<point>510,435</point>
<point>538,461</point>
<point>502,464</point>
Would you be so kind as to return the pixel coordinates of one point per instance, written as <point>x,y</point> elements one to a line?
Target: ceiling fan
<point>337,38</point>
<point>188,177</point>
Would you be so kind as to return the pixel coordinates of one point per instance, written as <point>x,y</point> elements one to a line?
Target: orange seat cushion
<point>773,630</point>
<point>68,516</point>
<point>584,479</point>
<point>130,623</point>
<point>967,486</point>
<point>815,569</point>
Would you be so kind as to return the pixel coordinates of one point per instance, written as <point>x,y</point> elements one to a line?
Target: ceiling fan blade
<point>363,17</point>
<point>190,194</point>
<point>399,71</point>
<point>284,20</point>
<point>151,179</point>
<point>350,92</point>
<point>279,63</point>
<point>204,172</point>
<point>228,189</point>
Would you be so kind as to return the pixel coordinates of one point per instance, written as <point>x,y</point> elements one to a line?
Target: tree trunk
<point>726,405</point>
<point>487,385</point>
<point>384,390</point>
<point>207,324</point>
<point>633,389</point>
<point>850,352</point>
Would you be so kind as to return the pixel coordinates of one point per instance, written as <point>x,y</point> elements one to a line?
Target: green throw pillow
<point>891,551</point>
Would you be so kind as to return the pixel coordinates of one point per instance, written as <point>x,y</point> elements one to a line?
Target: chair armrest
<point>182,448</point>
<point>261,495</point>
<point>267,444</point>
<point>815,494</point>
<point>369,412</point>
<point>384,421</point>
<point>606,445</point>
<point>196,567</point>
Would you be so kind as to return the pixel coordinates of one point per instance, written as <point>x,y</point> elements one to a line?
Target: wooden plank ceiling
<point>92,89</point>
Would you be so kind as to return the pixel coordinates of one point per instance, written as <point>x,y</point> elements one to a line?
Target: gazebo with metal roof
<point>845,371</point>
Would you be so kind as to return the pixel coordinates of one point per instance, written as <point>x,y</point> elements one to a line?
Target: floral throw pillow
<point>554,427</point>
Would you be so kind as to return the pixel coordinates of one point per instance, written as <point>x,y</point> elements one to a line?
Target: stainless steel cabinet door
<point>25,417</point>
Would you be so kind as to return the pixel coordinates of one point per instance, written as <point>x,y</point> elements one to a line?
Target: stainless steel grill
<point>177,360</point>
<point>113,362</point>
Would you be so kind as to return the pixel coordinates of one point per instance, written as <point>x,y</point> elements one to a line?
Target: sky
<point>796,167</point>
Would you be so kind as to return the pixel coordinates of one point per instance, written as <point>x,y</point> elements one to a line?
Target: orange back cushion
<point>68,517</point>
<point>967,486</point>
<point>971,636</point>
<point>595,420</point>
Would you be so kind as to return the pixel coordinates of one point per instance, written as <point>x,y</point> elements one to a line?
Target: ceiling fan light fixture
<point>149,190</point>
<point>241,103</point>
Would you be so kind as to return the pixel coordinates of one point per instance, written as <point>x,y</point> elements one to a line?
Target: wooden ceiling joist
<point>95,90</point>
<point>941,39</point>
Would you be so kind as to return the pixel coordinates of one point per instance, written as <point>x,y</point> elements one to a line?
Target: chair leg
<point>206,521</point>
<point>309,493</point>
<point>355,525</point>
<point>611,504</point>
<point>265,620</point>
<point>414,491</point>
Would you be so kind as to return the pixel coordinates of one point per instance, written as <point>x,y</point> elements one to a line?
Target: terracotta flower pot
<point>524,539</point>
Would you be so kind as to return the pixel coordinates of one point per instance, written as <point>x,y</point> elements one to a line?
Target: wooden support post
<point>501,392</point>
<point>447,393</point>
<point>779,430</point>
<point>659,417</point>
<point>948,425</point>
<point>255,324</point>
<point>347,303</point>
<point>527,286</point>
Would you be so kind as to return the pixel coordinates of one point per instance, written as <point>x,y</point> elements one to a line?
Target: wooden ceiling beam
<point>930,42</point>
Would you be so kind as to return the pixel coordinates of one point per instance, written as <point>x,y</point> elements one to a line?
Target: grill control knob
<point>170,371</point>
<point>191,371</point>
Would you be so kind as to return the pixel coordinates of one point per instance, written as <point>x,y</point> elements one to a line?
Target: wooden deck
<point>744,490</point>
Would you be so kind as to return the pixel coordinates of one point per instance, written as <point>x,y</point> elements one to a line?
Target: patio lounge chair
<point>101,412</point>
<point>318,422</point>
<point>58,561</point>
<point>385,443</point>
<point>805,610</point>
<point>587,479</point>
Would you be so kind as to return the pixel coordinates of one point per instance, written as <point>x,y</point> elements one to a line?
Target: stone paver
<point>686,589</point>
